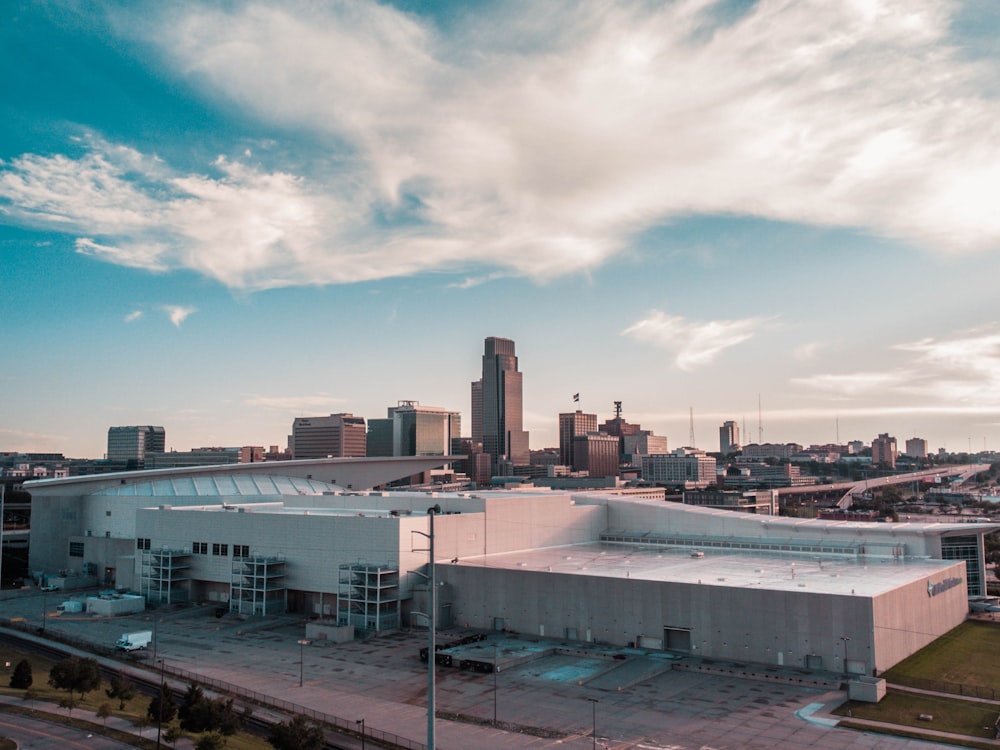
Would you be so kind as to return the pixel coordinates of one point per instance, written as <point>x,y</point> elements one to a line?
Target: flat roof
<point>861,576</point>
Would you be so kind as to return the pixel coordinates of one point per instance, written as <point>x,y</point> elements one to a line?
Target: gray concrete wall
<point>724,623</point>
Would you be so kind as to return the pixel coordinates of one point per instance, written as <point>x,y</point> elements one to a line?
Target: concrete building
<point>572,424</point>
<point>497,406</point>
<point>132,443</point>
<point>916,448</point>
<point>589,566</point>
<point>335,436</point>
<point>729,438</point>
<point>884,451</point>
<point>688,468</point>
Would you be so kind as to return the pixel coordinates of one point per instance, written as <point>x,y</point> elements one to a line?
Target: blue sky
<point>220,216</point>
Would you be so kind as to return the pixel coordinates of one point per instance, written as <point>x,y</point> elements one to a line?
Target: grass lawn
<point>964,656</point>
<point>950,714</point>
<point>134,711</point>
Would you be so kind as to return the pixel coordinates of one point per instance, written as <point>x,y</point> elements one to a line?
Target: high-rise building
<point>413,430</point>
<point>572,424</point>
<point>497,403</point>
<point>916,448</point>
<point>729,438</point>
<point>884,451</point>
<point>597,454</point>
<point>132,443</point>
<point>335,436</point>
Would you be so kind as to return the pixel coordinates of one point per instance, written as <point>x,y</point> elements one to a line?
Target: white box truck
<point>134,641</point>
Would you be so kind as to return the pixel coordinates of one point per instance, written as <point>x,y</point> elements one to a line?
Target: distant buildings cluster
<point>496,449</point>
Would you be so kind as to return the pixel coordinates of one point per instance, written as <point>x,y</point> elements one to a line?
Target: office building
<point>688,468</point>
<point>132,443</point>
<point>884,451</point>
<point>597,454</point>
<point>335,436</point>
<point>572,424</point>
<point>916,448</point>
<point>729,438</point>
<point>497,408</point>
<point>410,429</point>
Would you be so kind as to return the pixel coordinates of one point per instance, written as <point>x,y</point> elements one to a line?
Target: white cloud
<point>178,313</point>
<point>538,143</point>
<point>692,344</point>
<point>962,372</point>
<point>133,316</point>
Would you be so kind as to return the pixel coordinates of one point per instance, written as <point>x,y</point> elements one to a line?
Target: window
<point>107,513</point>
<point>199,548</point>
<point>76,549</point>
<point>241,550</point>
<point>142,544</point>
<point>220,549</point>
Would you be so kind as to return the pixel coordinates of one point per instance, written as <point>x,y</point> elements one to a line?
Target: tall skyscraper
<point>729,437</point>
<point>497,406</point>
<point>572,424</point>
<point>132,443</point>
<point>335,436</point>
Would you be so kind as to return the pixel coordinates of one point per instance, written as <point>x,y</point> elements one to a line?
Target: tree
<point>298,733</point>
<point>69,703</point>
<point>104,711</point>
<point>201,714</point>
<point>172,734</point>
<point>21,678</point>
<point>162,708</point>
<point>210,741</point>
<point>122,689</point>
<point>75,674</point>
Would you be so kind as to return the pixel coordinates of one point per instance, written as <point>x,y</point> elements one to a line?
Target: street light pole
<point>845,639</point>
<point>302,657</point>
<point>496,666</point>
<point>362,723</point>
<point>431,622</point>
<point>159,708</point>
<point>593,720</point>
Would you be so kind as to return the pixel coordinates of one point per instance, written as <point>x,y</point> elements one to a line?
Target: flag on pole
<point>576,397</point>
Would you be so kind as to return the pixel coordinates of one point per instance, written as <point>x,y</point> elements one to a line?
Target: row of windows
<point>219,549</point>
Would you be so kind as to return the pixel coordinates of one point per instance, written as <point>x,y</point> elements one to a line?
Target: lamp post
<point>431,623</point>
<point>159,707</point>
<point>302,657</point>
<point>845,639</point>
<point>496,666</point>
<point>593,720</point>
<point>362,723</point>
<point>45,596</point>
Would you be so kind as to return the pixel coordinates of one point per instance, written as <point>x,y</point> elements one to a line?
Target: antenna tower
<point>760,423</point>
<point>618,409</point>
<point>691,433</point>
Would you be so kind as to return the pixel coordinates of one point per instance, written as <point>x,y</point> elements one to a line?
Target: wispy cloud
<point>963,372</point>
<point>693,344</point>
<point>294,404</point>
<point>133,316</point>
<point>460,149</point>
<point>178,314</point>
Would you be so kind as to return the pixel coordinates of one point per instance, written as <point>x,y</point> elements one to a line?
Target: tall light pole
<point>362,723</point>
<point>159,708</point>
<point>302,657</point>
<point>431,623</point>
<point>845,639</point>
<point>593,720</point>
<point>496,668</point>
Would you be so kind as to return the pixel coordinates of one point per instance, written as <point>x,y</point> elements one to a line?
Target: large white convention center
<point>307,536</point>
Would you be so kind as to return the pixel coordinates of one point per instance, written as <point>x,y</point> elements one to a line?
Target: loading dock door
<point>648,641</point>
<point>677,639</point>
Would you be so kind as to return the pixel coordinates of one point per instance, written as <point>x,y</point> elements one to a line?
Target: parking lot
<point>547,693</point>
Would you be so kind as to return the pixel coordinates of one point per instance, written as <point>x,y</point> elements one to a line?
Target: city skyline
<point>218,219</point>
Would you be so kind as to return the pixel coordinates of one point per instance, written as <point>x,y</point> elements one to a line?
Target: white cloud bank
<point>539,143</point>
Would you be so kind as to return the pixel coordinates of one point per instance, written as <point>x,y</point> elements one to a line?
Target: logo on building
<point>933,589</point>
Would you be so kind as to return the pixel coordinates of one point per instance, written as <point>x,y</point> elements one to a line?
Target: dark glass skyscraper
<point>497,402</point>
